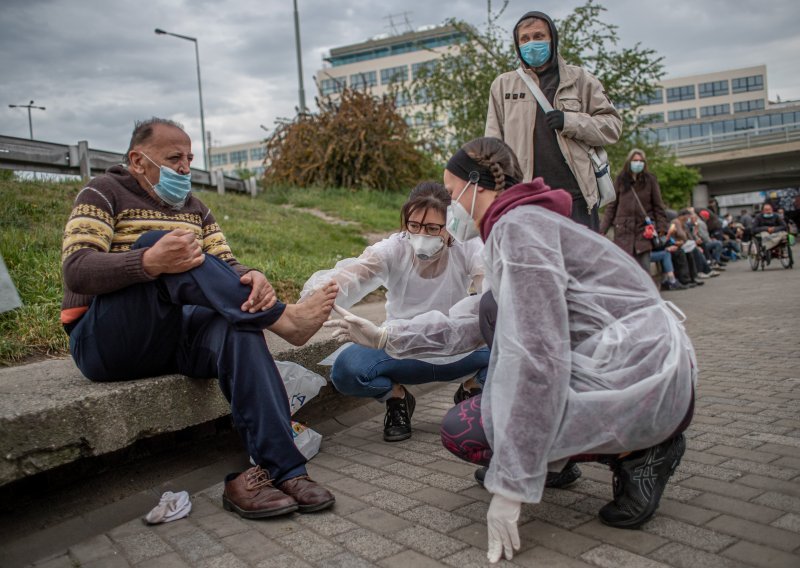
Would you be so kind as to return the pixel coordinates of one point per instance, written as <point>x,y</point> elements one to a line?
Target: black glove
<point>555,119</point>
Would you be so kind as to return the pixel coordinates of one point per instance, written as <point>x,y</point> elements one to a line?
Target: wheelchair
<point>760,257</point>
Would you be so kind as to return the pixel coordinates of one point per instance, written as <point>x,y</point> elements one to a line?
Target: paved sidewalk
<point>734,501</point>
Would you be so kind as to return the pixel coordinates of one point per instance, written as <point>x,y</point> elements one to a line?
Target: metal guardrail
<point>22,154</point>
<point>736,140</point>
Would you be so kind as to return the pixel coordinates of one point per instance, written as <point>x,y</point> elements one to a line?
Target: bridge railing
<point>753,137</point>
<point>22,154</point>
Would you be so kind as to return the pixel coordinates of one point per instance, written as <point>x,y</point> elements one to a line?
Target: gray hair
<point>143,132</point>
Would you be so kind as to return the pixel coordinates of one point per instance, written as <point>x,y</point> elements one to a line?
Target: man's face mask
<point>459,222</point>
<point>173,188</point>
<point>426,247</point>
<point>535,53</point>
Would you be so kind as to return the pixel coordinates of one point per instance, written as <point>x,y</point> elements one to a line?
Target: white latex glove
<point>171,507</point>
<point>501,521</point>
<point>356,329</point>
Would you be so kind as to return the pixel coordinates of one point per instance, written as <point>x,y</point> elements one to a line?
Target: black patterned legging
<point>463,434</point>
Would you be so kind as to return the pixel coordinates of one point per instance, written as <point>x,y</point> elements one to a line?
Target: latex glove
<point>501,521</point>
<point>356,329</point>
<point>555,119</point>
<point>171,507</point>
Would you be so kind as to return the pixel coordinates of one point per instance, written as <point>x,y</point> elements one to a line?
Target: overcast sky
<point>97,65</point>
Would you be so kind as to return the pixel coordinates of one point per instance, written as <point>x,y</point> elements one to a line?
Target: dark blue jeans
<point>361,371</point>
<point>191,323</point>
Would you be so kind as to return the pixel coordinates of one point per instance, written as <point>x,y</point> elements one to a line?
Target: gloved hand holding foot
<point>356,329</point>
<point>501,521</point>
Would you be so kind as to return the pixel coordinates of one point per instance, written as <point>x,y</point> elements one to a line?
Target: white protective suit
<point>413,286</point>
<point>587,357</point>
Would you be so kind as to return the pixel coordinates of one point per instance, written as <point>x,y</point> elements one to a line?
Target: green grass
<point>287,244</point>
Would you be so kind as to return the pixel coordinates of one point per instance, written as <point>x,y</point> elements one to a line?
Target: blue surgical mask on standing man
<point>535,53</point>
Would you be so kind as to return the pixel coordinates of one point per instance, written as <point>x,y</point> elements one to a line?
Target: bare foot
<point>300,321</point>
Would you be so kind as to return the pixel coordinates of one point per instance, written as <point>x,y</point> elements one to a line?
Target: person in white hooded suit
<point>588,363</point>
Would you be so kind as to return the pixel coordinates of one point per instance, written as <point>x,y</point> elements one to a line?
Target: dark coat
<point>628,219</point>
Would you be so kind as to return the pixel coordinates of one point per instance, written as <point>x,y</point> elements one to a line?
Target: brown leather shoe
<point>252,495</point>
<point>309,495</point>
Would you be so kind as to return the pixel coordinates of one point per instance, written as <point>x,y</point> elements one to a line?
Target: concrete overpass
<point>754,160</point>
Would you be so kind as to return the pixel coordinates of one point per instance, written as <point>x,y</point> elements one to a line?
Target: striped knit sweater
<point>109,214</point>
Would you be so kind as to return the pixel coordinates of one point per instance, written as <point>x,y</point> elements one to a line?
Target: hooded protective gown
<point>413,286</point>
<point>586,358</point>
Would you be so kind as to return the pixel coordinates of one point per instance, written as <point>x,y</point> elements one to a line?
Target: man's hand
<point>356,329</point>
<point>770,230</point>
<point>262,297</point>
<point>555,119</point>
<point>501,522</point>
<point>176,252</point>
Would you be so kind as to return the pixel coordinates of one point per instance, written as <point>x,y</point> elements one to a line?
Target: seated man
<point>769,228</point>
<point>151,287</point>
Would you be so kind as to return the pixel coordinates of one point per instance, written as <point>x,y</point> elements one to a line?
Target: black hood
<point>553,34</point>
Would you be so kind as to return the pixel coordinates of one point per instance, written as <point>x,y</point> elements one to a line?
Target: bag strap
<point>633,190</point>
<point>547,107</point>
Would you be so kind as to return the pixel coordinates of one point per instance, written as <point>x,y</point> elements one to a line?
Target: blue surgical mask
<point>535,53</point>
<point>767,215</point>
<point>637,166</point>
<point>173,188</point>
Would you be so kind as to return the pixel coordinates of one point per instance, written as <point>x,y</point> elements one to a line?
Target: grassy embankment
<point>286,244</point>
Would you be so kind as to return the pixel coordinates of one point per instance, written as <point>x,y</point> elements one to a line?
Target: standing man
<point>553,145</point>
<point>151,287</point>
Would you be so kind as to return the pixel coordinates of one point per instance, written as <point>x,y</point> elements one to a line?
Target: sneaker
<point>674,285</point>
<point>463,394</point>
<point>705,275</point>
<point>310,496</point>
<point>252,495</point>
<point>639,481</point>
<point>397,423</point>
<point>555,479</point>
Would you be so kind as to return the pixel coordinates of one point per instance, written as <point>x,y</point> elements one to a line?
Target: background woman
<point>423,269</point>
<point>628,217</point>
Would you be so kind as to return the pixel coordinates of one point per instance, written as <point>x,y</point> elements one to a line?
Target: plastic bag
<point>306,439</point>
<point>301,384</point>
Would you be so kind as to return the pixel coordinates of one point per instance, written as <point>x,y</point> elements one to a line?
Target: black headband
<point>468,169</point>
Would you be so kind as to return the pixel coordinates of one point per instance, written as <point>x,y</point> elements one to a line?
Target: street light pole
<point>206,159</point>
<point>299,59</point>
<point>28,106</point>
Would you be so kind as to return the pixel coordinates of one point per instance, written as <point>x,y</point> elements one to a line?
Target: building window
<point>258,153</point>
<point>747,84</point>
<point>713,89</point>
<point>398,48</point>
<point>682,114</point>
<point>417,68</point>
<point>715,110</point>
<point>685,93</point>
<point>219,159</point>
<point>394,75</point>
<point>656,98</point>
<point>238,156</point>
<point>363,80</point>
<point>746,106</point>
<point>332,85</point>
<point>402,99</point>
<point>648,117</point>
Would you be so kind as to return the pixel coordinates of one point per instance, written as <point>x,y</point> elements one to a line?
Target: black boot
<point>639,481</point>
<point>397,423</point>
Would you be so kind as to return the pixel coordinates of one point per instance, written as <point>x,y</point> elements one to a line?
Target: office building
<point>234,158</point>
<point>386,62</point>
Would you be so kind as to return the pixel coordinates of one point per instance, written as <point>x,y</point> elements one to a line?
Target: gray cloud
<point>97,65</point>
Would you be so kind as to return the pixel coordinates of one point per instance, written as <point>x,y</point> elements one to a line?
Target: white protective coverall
<point>587,357</point>
<point>413,286</point>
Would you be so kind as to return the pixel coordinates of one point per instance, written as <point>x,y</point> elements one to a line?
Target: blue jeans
<point>191,323</point>
<point>665,258</point>
<point>361,371</point>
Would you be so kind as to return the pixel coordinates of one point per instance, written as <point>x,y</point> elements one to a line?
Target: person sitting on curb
<point>151,288</point>
<point>423,268</point>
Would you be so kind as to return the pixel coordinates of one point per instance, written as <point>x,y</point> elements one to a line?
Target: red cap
<point>705,215</point>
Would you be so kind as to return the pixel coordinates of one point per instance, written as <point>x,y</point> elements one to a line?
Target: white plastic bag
<point>306,439</point>
<point>301,384</point>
